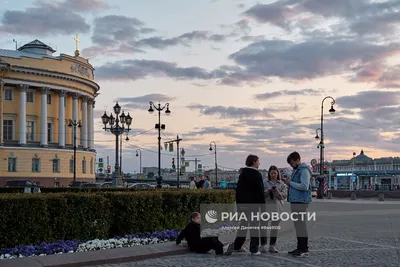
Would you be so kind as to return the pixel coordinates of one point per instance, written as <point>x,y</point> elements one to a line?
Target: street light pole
<point>117,130</point>
<point>177,140</point>
<point>120,157</point>
<point>74,123</point>
<point>139,152</point>
<point>322,146</point>
<point>216,165</point>
<point>160,127</point>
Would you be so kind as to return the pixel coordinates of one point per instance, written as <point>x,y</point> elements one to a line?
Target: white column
<point>2,83</point>
<point>75,116</point>
<point>61,118</point>
<point>43,117</point>
<point>84,130</point>
<point>22,114</point>
<point>90,122</point>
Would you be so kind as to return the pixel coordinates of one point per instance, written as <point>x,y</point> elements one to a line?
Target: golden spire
<point>77,53</point>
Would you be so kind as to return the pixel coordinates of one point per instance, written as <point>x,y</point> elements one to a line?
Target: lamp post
<point>139,153</point>
<point>74,123</point>
<point>321,145</point>
<point>160,127</point>
<point>117,127</point>
<point>216,165</point>
<point>178,171</point>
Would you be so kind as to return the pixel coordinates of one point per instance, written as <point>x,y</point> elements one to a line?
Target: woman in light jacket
<point>275,192</point>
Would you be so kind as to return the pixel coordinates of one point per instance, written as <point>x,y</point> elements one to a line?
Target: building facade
<point>40,95</point>
<point>363,172</point>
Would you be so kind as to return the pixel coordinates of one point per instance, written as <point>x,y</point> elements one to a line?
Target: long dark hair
<point>274,168</point>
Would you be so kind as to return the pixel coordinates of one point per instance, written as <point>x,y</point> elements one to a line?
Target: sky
<point>249,75</point>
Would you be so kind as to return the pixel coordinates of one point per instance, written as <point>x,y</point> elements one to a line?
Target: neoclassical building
<point>40,94</point>
<point>361,172</point>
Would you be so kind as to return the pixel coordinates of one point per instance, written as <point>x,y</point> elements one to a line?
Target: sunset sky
<point>249,75</point>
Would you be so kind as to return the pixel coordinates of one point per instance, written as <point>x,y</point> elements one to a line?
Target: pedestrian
<point>201,182</point>
<point>249,198</point>
<point>206,184</point>
<point>192,184</point>
<point>223,184</point>
<point>299,196</point>
<point>198,244</point>
<point>275,192</point>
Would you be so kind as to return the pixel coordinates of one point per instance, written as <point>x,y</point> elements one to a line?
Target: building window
<point>56,165</point>
<point>91,166</point>
<point>49,99</point>
<point>71,165</point>
<point>12,164</point>
<point>8,94</point>
<point>29,96</point>
<point>8,130</point>
<point>30,127</point>
<point>84,166</point>
<point>49,132</point>
<point>35,165</point>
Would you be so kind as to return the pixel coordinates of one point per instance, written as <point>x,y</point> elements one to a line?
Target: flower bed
<point>60,247</point>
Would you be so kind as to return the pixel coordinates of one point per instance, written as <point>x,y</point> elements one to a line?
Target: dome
<point>37,47</point>
<point>362,156</point>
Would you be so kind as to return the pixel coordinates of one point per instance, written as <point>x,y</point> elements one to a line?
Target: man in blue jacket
<point>299,196</point>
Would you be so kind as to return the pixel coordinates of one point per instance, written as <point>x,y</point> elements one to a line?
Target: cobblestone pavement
<point>359,238</point>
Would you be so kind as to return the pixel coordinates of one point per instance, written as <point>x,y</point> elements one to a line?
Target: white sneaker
<point>273,249</point>
<point>241,250</point>
<point>228,249</point>
<point>262,249</point>
<point>256,253</point>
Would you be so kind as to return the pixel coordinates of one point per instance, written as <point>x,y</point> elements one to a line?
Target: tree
<point>150,175</point>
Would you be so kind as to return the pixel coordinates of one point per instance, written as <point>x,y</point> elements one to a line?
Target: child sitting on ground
<point>201,244</point>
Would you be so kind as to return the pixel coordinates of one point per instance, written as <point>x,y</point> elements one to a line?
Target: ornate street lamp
<point>117,126</point>
<point>159,127</point>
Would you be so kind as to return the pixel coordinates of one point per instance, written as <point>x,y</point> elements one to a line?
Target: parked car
<point>106,184</point>
<point>142,186</point>
<point>77,184</point>
<point>91,185</point>
<point>20,183</point>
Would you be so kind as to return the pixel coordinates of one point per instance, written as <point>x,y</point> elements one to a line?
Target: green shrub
<point>34,218</point>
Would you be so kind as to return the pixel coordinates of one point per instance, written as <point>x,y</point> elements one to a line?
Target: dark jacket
<point>250,187</point>
<point>192,235</point>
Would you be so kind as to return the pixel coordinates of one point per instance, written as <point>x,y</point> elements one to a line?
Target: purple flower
<point>72,245</point>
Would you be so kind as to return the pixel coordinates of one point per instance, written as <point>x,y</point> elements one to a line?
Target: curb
<point>111,256</point>
<point>100,257</point>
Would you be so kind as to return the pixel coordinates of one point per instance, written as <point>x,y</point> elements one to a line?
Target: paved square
<point>346,233</point>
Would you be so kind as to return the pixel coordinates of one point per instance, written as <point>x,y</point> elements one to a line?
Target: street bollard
<point>329,195</point>
<point>381,196</point>
<point>353,195</point>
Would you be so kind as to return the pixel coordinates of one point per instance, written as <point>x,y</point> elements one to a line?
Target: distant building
<point>362,171</point>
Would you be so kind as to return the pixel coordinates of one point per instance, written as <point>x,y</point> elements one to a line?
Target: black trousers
<point>208,243</point>
<point>254,231</point>
<point>274,234</point>
<point>300,225</point>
